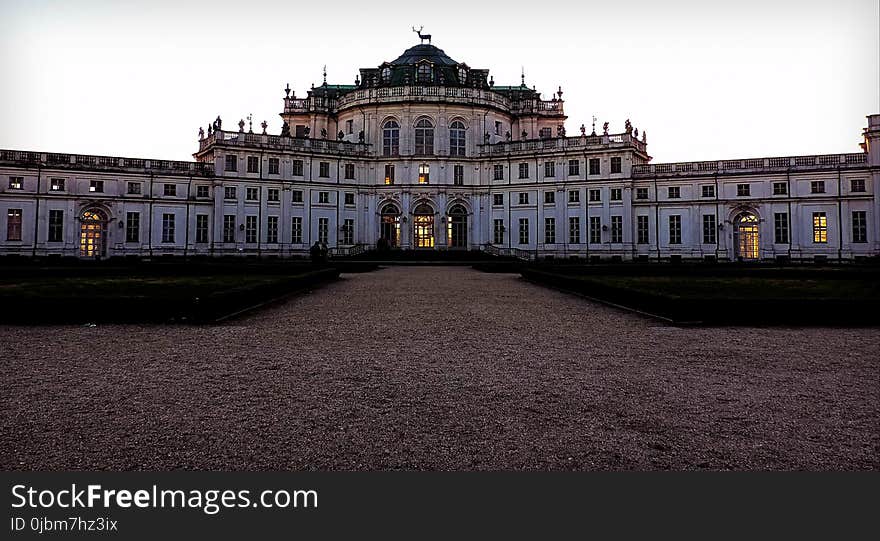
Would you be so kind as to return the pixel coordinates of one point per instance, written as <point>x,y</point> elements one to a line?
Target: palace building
<point>425,152</point>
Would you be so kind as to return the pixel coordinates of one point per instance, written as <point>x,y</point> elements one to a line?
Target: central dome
<point>424,51</point>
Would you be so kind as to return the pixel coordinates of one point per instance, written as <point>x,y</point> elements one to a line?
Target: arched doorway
<point>389,226</point>
<point>746,236</point>
<point>92,231</point>
<point>423,226</point>
<point>456,226</point>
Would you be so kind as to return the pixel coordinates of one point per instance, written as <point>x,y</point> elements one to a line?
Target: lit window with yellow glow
<point>820,228</point>
<point>424,173</point>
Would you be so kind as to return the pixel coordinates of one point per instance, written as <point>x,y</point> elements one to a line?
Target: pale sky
<point>706,80</point>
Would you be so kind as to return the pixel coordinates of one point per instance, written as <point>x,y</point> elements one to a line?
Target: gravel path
<point>438,368</point>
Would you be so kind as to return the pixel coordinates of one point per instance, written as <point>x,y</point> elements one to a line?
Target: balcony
<point>56,160</point>
<point>754,165</point>
<point>436,94</point>
<point>278,143</point>
<point>586,142</point>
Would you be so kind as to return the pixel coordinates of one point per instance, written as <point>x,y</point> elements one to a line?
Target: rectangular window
<point>545,133</point>
<point>817,186</point>
<point>57,185</point>
<point>549,198</point>
<point>615,164</point>
<point>349,198</point>
<point>56,225</point>
<point>253,164</point>
<point>348,231</point>
<point>96,186</point>
<point>550,169</point>
<point>859,226</point>
<point>167,228</point>
<point>231,163</point>
<point>323,197</point>
<point>323,230</point>
<point>642,230</point>
<point>16,183</point>
<point>616,194</point>
<point>673,192</point>
<point>574,168</point>
<point>273,166</point>
<point>523,230</point>
<point>169,190</point>
<point>132,227</point>
<point>296,196</point>
<point>595,230</point>
<point>201,228</point>
<point>389,173</point>
<point>296,230</point>
<point>300,131</point>
<point>820,228</point>
<point>252,194</point>
<point>134,188</point>
<point>595,195</point>
<point>497,199</point>
<point>297,168</point>
<point>349,171</point>
<point>856,185</point>
<point>498,231</point>
<point>524,198</point>
<point>708,190</point>
<point>273,195</point>
<point>272,229</point>
<point>617,229</point>
<point>780,227</point>
<point>549,230</point>
<point>202,192</point>
<point>498,172</point>
<point>229,228</point>
<point>574,196</point>
<point>13,224</point>
<point>250,229</point>
<point>497,128</point>
<point>424,173</point>
<point>641,193</point>
<point>595,168</point>
<point>780,188</point>
<point>709,229</point>
<point>574,230</point>
<point>523,170</point>
<point>675,229</point>
<point>349,127</point>
<point>229,192</point>
<point>743,190</point>
<point>458,175</point>
<point>324,169</point>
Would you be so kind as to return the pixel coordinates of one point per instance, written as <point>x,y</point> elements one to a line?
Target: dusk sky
<point>706,80</point>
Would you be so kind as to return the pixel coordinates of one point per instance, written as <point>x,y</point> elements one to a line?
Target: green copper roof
<point>424,51</point>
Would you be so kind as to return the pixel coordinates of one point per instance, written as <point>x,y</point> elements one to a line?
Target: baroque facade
<point>428,153</point>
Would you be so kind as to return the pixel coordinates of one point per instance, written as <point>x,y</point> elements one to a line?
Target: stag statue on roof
<point>422,37</point>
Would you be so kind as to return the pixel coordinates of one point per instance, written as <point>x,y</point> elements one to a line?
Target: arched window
<point>386,75</point>
<point>390,138</point>
<point>746,235</point>
<point>456,234</point>
<point>424,137</point>
<point>462,76</point>
<point>456,139</point>
<point>424,73</point>
<point>389,225</point>
<point>423,226</point>
<point>424,173</point>
<point>92,229</point>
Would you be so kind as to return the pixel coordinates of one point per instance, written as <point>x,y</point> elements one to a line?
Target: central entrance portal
<point>423,226</point>
<point>746,236</point>
<point>91,233</point>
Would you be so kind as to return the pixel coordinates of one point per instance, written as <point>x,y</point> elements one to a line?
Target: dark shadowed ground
<point>438,368</point>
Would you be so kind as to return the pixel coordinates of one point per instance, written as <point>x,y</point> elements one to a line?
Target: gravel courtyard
<point>438,368</point>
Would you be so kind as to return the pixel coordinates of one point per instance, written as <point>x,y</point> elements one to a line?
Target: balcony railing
<point>110,163</point>
<point>471,96</point>
<point>563,143</point>
<point>796,163</point>
<point>276,142</point>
